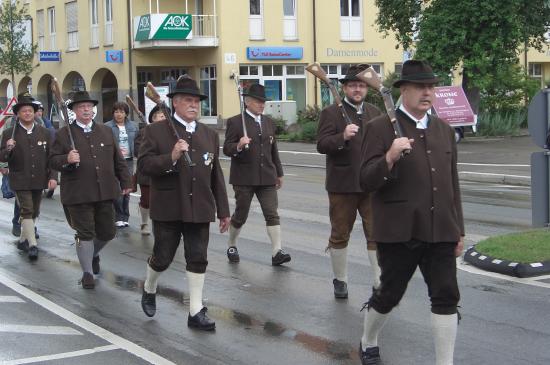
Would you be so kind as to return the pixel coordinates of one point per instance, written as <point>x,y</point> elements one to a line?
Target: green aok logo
<point>177,21</point>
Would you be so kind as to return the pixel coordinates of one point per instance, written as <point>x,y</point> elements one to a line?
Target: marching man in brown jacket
<point>417,219</point>
<point>26,150</point>
<point>341,143</point>
<point>91,177</point>
<point>184,199</point>
<point>255,170</point>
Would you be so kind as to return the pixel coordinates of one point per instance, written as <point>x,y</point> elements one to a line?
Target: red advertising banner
<point>452,106</point>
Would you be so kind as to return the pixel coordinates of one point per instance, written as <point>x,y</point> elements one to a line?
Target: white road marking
<point>39,330</point>
<point>492,174</point>
<point>63,355</point>
<point>491,164</point>
<point>10,299</point>
<point>84,324</point>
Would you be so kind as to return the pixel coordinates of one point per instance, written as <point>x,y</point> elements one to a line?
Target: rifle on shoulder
<point>152,94</point>
<point>371,78</point>
<point>63,108</point>
<point>318,72</point>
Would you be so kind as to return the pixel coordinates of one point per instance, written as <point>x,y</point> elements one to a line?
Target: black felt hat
<point>351,75</point>
<point>187,85</point>
<point>417,72</point>
<point>24,100</point>
<point>256,91</point>
<point>81,97</point>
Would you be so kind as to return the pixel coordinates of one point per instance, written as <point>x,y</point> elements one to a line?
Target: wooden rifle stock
<point>63,108</point>
<point>235,78</point>
<point>152,94</point>
<point>370,77</point>
<point>318,72</point>
<point>136,110</point>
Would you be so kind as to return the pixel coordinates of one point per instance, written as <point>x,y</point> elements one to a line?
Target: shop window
<point>209,87</point>
<point>290,28</point>
<point>282,82</point>
<point>71,13</point>
<point>398,69</point>
<point>256,20</point>
<point>170,75</point>
<point>51,27</point>
<point>351,22</point>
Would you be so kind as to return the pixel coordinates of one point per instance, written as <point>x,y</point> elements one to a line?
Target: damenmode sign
<point>452,106</point>
<point>164,27</point>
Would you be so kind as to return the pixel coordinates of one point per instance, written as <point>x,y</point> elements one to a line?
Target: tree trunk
<point>472,93</point>
<point>14,92</point>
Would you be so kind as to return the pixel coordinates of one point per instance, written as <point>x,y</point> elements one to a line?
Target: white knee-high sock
<point>444,329</point>
<point>233,234</point>
<point>85,253</point>
<point>144,215</point>
<point>98,246</point>
<point>373,259</point>
<point>27,231</point>
<point>151,281</point>
<point>339,261</point>
<point>274,233</point>
<point>196,283</point>
<point>372,326</point>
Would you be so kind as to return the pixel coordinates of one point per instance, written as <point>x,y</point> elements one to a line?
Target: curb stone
<point>505,267</point>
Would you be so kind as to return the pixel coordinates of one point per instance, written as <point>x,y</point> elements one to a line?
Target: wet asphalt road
<point>269,315</point>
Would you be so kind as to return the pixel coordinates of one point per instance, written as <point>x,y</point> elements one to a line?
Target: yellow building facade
<point>112,48</point>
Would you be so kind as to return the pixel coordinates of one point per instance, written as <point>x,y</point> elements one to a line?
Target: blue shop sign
<point>114,56</point>
<point>274,53</point>
<point>54,56</point>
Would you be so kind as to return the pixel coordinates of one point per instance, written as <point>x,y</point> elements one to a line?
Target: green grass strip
<point>522,247</point>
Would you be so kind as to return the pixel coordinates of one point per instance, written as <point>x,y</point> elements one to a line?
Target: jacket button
<point>97,167</point>
<point>433,169</point>
<point>421,136</point>
<point>94,156</point>
<point>190,194</point>
<point>194,179</point>
<point>435,188</point>
<point>429,151</point>
<point>432,208</point>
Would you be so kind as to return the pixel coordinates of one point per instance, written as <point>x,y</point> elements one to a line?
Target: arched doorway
<point>43,92</point>
<point>25,86</point>
<point>5,92</point>
<point>106,83</point>
<point>72,82</point>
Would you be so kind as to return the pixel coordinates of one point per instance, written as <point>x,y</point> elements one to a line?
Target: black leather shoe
<point>87,281</point>
<point>340,289</point>
<point>16,230</point>
<point>280,258</point>
<point>95,265</point>
<point>201,321</point>
<point>149,303</point>
<point>371,356</point>
<point>33,253</point>
<point>23,246</point>
<point>233,254</point>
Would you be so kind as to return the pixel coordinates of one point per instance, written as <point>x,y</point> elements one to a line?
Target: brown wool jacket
<point>142,179</point>
<point>260,165</point>
<point>343,158</point>
<point>179,192</point>
<point>420,197</point>
<point>28,161</point>
<point>102,171</point>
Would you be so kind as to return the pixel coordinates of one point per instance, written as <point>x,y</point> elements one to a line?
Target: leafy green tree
<point>16,55</point>
<point>483,37</point>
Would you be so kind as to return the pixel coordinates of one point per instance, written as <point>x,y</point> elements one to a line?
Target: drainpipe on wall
<point>130,67</point>
<point>315,46</point>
